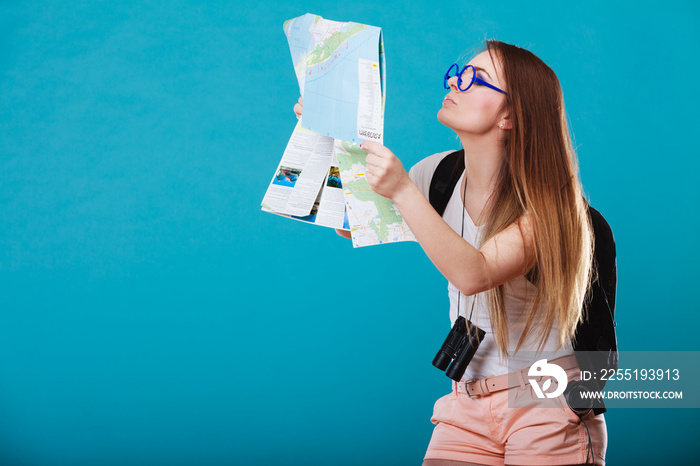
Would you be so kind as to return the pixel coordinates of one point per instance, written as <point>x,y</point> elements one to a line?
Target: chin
<point>444,119</point>
<point>441,116</point>
<point>459,124</point>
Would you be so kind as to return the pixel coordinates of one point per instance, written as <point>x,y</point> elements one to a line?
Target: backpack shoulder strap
<point>444,180</point>
<point>595,342</point>
<point>606,256</point>
<point>597,331</point>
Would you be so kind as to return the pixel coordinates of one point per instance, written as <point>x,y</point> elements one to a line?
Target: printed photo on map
<point>334,178</point>
<point>287,176</point>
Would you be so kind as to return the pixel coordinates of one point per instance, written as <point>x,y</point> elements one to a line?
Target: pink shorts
<point>485,430</point>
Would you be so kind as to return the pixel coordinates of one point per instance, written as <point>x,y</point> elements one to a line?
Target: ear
<point>505,123</point>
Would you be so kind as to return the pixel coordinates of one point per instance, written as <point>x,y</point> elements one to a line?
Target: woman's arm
<point>504,257</point>
<point>501,259</point>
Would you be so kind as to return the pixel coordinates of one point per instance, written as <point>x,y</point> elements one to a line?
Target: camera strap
<point>464,208</point>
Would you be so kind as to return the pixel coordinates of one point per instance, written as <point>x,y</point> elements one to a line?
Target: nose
<point>452,82</point>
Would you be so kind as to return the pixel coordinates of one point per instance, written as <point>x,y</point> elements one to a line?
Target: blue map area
<point>326,55</point>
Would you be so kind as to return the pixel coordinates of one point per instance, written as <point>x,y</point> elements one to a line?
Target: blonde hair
<point>539,176</point>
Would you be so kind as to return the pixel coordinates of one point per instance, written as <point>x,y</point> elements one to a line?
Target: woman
<point>515,244</point>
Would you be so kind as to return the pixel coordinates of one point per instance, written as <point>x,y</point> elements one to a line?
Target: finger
<point>376,166</point>
<point>298,107</point>
<point>370,146</point>
<point>381,151</point>
<point>373,160</point>
<point>371,181</point>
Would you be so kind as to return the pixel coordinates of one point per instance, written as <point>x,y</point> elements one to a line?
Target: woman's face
<point>478,109</point>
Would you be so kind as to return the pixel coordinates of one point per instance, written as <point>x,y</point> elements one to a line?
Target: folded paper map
<point>340,68</point>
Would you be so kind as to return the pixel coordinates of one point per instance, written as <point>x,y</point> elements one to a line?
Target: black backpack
<point>595,343</point>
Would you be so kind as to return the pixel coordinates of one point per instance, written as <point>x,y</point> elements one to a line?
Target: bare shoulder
<point>422,172</point>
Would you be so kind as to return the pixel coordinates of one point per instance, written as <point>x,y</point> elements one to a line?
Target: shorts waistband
<point>496,383</point>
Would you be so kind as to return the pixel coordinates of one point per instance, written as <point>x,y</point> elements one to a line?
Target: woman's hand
<point>298,107</point>
<point>385,173</point>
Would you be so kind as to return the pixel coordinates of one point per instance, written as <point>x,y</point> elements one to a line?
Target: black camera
<point>461,344</point>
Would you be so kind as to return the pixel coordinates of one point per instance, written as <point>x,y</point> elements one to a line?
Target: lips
<point>448,99</point>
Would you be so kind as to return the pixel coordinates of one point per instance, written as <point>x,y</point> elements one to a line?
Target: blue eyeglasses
<point>462,77</point>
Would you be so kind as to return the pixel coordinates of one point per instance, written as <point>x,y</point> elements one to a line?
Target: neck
<point>483,156</point>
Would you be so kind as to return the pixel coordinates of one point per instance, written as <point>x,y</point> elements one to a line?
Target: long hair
<point>539,176</point>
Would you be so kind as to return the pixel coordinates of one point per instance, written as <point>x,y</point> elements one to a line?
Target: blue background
<point>152,314</point>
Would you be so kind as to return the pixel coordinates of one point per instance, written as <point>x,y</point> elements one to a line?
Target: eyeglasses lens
<point>467,78</point>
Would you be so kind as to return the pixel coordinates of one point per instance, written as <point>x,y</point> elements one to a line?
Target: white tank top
<point>486,361</point>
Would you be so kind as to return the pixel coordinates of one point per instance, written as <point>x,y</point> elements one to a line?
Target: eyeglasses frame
<point>474,79</point>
